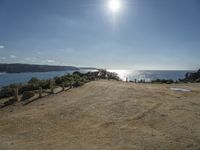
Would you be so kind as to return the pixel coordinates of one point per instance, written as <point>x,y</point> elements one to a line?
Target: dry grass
<point>106,115</point>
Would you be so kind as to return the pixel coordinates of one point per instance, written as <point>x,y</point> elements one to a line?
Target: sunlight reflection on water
<point>132,75</point>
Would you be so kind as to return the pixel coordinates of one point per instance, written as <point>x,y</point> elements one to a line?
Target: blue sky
<point>146,34</point>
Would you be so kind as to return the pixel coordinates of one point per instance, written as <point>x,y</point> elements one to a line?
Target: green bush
<point>26,87</point>
<point>58,80</point>
<point>8,91</point>
<point>76,79</point>
<point>45,84</point>
<point>162,81</point>
<point>34,80</point>
<point>78,83</point>
<point>27,94</point>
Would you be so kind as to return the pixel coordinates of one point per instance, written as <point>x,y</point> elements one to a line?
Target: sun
<point>114,5</point>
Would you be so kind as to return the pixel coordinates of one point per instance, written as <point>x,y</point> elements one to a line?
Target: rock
<point>27,94</point>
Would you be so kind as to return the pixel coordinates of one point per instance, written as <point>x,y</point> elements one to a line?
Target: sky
<point>143,34</point>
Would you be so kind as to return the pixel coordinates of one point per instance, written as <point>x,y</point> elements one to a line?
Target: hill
<point>107,115</point>
<point>20,68</point>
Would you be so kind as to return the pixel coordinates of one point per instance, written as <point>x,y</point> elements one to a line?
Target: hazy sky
<point>145,34</point>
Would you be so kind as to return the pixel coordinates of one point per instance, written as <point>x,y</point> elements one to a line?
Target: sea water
<point>149,75</point>
<point>10,78</point>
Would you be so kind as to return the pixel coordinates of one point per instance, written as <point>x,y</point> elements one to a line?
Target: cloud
<point>27,58</point>
<point>1,46</point>
<point>22,61</point>
<point>51,61</point>
<point>39,53</point>
<point>68,50</point>
<point>31,59</point>
<point>13,56</point>
<point>3,58</point>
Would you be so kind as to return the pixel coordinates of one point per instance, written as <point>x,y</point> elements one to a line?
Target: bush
<point>27,87</point>
<point>169,81</point>
<point>91,76</point>
<point>8,91</point>
<point>45,84</point>
<point>162,81</point>
<point>198,80</point>
<point>192,77</point>
<point>58,80</point>
<point>76,79</point>
<point>27,95</point>
<point>78,83</point>
<point>78,73</point>
<point>34,81</point>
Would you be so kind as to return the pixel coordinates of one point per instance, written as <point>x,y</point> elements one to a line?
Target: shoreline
<point>24,77</point>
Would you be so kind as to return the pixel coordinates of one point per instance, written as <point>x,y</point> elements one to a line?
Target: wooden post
<point>16,94</point>
<point>71,85</point>
<point>40,92</point>
<point>135,80</point>
<point>63,86</point>
<point>51,87</point>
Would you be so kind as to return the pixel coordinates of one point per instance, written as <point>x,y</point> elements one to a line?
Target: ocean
<point>7,78</point>
<point>149,75</point>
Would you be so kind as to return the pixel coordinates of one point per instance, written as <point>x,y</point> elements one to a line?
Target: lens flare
<point>114,6</point>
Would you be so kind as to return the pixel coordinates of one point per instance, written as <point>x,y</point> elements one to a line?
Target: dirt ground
<point>106,115</point>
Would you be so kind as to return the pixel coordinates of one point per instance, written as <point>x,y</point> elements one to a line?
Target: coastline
<point>6,79</point>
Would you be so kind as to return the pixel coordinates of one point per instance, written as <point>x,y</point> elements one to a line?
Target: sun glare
<point>114,5</point>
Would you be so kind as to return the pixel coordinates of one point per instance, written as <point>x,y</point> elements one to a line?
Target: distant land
<point>22,68</point>
<point>87,68</point>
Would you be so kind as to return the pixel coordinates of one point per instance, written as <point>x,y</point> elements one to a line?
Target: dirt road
<point>106,115</point>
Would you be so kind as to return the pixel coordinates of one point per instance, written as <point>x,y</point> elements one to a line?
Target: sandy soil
<point>105,115</point>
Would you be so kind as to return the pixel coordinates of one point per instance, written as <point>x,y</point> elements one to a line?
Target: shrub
<point>91,76</point>
<point>27,94</point>
<point>34,81</point>
<point>45,84</point>
<point>162,81</point>
<point>78,73</point>
<point>78,83</point>
<point>58,80</point>
<point>198,80</point>
<point>8,91</point>
<point>192,77</point>
<point>27,87</point>
<point>76,79</point>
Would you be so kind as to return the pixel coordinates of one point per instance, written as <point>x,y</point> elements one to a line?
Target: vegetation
<point>192,77</point>
<point>19,68</point>
<point>70,80</point>
<point>162,81</point>
<point>27,94</point>
<point>74,80</point>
